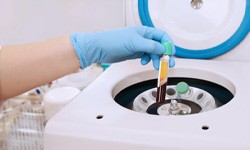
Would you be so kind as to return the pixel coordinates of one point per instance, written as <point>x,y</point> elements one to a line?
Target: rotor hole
<point>144,100</point>
<point>154,94</point>
<point>200,96</point>
<point>171,91</point>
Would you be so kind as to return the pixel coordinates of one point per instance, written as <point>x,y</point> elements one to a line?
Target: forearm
<point>23,67</point>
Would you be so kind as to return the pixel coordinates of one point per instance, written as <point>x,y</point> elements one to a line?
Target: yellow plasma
<point>163,71</point>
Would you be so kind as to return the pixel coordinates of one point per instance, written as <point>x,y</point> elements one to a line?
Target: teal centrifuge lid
<point>227,45</point>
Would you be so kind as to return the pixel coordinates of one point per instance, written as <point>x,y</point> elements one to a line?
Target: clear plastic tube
<point>162,79</point>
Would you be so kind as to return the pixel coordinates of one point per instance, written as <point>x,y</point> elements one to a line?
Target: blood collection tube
<point>163,73</point>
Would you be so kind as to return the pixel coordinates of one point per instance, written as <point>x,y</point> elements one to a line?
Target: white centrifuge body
<point>94,120</point>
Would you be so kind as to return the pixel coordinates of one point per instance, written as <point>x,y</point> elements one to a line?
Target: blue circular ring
<point>212,52</point>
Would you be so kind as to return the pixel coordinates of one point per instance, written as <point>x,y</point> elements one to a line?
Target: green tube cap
<point>182,87</point>
<point>168,47</point>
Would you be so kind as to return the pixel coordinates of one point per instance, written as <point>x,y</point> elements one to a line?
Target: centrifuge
<point>206,105</point>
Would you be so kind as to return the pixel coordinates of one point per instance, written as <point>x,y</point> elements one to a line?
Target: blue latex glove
<point>122,44</point>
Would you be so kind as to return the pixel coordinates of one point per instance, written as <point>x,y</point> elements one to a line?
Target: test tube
<point>162,79</point>
<point>163,73</point>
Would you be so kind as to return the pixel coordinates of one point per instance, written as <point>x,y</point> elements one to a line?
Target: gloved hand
<point>122,44</point>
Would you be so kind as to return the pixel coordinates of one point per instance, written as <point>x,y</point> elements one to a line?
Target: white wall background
<point>23,21</point>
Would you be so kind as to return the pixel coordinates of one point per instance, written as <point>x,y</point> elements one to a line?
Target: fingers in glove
<point>148,46</point>
<point>155,34</point>
<point>156,61</point>
<point>145,59</point>
<point>171,62</point>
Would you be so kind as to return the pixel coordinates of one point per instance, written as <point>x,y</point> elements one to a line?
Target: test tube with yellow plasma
<point>163,74</point>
